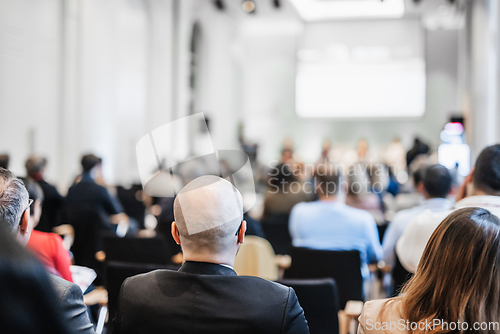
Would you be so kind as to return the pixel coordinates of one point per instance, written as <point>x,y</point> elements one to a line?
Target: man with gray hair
<point>206,295</point>
<point>14,211</point>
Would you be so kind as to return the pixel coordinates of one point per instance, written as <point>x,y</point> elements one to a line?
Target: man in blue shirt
<point>331,225</point>
<point>436,183</point>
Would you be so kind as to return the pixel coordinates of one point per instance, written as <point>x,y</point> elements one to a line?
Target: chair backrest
<point>320,300</point>
<point>89,225</point>
<point>132,206</point>
<point>275,227</point>
<point>136,250</point>
<point>399,276</point>
<point>343,266</point>
<point>256,258</point>
<point>117,272</point>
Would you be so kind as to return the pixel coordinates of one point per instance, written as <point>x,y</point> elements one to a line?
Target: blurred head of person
<point>28,303</point>
<point>90,163</point>
<point>281,177</point>
<point>458,277</point>
<point>418,178</point>
<point>486,173</point>
<point>358,182</point>
<point>437,181</point>
<point>286,155</point>
<point>14,206</point>
<point>209,223</point>
<point>35,193</point>
<point>327,145</point>
<point>327,182</point>
<point>35,167</point>
<point>362,148</point>
<point>378,175</point>
<point>4,161</point>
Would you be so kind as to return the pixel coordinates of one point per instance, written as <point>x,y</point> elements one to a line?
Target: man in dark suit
<point>206,295</point>
<point>86,193</point>
<point>14,212</point>
<point>53,201</point>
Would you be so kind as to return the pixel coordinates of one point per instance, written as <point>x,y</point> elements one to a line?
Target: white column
<point>482,86</point>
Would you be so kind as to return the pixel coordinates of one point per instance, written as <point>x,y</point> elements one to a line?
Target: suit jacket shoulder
<point>71,299</point>
<point>189,303</point>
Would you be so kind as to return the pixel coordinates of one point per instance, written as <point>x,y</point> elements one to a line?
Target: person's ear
<point>175,233</point>
<point>25,228</point>
<point>470,178</point>
<point>241,233</point>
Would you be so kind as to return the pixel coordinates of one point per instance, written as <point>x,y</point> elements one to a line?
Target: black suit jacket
<point>74,310</point>
<point>51,206</point>
<point>89,195</point>
<point>207,298</point>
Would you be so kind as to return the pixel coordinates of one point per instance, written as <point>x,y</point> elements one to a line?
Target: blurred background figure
<point>360,193</point>
<point>284,191</point>
<point>52,202</point>
<point>418,148</point>
<point>4,161</point>
<point>48,247</point>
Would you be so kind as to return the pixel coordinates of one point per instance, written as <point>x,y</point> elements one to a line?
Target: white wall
<point>29,80</point>
<point>480,82</point>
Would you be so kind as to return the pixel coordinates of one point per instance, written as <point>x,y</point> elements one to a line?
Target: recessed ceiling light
<point>248,6</point>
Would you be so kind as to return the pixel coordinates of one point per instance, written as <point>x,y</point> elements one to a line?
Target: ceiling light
<point>248,6</point>
<point>316,10</point>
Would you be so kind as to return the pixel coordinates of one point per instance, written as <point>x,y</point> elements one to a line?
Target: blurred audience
<point>481,188</point>
<point>87,194</point>
<point>284,191</point>
<point>47,247</point>
<point>419,147</point>
<point>359,193</point>
<point>14,213</point>
<point>331,225</point>
<point>436,186</point>
<point>413,194</point>
<point>395,156</point>
<point>457,281</point>
<point>52,199</point>
<point>362,151</point>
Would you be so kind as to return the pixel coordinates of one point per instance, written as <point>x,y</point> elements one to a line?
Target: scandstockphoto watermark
<point>431,325</point>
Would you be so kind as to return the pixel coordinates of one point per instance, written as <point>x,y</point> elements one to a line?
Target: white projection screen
<point>369,69</point>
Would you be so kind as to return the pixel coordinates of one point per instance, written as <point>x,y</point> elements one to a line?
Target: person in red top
<point>47,247</point>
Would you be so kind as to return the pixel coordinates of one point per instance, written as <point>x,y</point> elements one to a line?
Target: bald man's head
<point>208,212</point>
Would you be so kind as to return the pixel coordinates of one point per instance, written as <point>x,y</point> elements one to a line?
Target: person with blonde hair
<point>456,287</point>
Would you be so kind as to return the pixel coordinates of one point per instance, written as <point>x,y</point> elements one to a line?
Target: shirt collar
<point>86,177</point>
<point>205,268</point>
<point>437,203</point>
<point>482,201</point>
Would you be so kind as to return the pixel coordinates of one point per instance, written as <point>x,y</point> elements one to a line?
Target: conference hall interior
<point>250,166</point>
